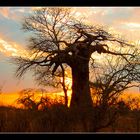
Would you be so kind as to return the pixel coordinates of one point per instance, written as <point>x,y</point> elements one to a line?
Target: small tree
<point>111,79</point>
<point>29,99</point>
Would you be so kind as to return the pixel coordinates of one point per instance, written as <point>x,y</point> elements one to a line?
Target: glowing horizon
<point>13,41</point>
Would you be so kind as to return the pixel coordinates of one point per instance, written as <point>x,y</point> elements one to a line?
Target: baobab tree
<point>60,40</point>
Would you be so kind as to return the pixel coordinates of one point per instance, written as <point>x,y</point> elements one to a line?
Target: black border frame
<point>69,3</point>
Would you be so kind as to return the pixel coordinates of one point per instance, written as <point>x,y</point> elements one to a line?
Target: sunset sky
<point>13,41</point>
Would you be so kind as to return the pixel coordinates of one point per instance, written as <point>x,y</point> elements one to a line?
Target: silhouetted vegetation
<point>59,118</point>
<point>59,43</point>
<point>110,79</point>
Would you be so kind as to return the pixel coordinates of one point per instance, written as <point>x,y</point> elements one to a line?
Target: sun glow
<point>10,99</point>
<point>68,82</point>
<point>68,86</point>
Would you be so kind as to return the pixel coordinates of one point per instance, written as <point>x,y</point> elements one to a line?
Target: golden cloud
<point>11,49</point>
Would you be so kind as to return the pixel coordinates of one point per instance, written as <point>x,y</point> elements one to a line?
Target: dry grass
<point>58,118</point>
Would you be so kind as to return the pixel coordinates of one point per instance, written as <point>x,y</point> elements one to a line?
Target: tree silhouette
<point>114,76</point>
<point>60,40</point>
<point>28,99</point>
<point>111,78</point>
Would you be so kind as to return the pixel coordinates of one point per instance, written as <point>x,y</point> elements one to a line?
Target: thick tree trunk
<point>81,98</point>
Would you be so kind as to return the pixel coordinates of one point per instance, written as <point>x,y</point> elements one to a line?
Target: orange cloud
<point>5,12</point>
